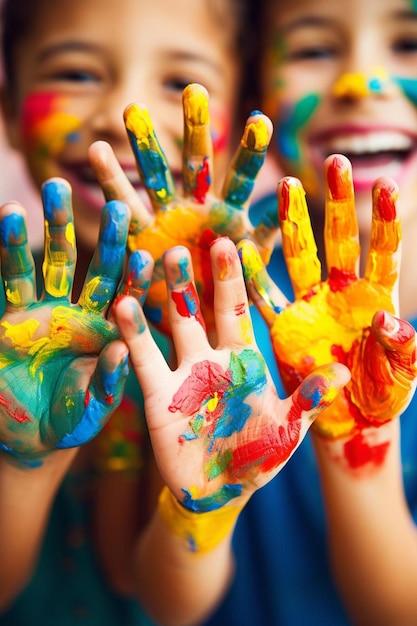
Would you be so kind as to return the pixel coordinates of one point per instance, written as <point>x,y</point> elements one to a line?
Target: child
<point>337,77</point>
<point>68,77</point>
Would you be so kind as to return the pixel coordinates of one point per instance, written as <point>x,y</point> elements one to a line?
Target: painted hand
<point>343,318</point>
<point>218,429</point>
<point>197,217</point>
<point>62,371</point>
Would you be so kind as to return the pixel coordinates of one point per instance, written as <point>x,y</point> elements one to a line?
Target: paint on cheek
<point>220,130</point>
<point>409,88</point>
<point>294,118</point>
<point>46,124</point>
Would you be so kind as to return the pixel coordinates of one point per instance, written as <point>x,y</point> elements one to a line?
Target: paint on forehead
<point>47,125</point>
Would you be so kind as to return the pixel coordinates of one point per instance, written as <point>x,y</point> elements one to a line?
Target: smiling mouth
<point>374,153</point>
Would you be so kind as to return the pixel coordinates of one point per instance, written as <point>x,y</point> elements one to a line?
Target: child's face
<point>86,60</point>
<point>341,76</point>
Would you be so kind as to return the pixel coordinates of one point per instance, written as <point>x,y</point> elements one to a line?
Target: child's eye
<point>311,53</point>
<point>75,76</point>
<point>406,45</point>
<point>178,84</point>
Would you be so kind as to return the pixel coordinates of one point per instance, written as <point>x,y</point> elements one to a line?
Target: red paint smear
<point>202,182</point>
<point>205,380</point>
<point>269,452</point>
<point>208,236</point>
<point>386,205</point>
<point>182,300</point>
<point>338,179</point>
<point>359,453</point>
<point>240,309</point>
<point>340,279</point>
<point>87,398</point>
<point>37,106</point>
<point>285,201</point>
<point>110,399</point>
<point>18,415</point>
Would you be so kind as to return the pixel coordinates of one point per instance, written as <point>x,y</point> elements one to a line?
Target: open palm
<point>344,318</point>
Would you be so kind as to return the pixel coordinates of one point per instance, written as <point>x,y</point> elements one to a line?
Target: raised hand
<point>344,318</point>
<point>218,429</point>
<point>195,217</point>
<point>61,371</point>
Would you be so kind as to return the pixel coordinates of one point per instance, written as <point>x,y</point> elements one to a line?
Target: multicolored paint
<point>330,321</point>
<point>149,155</point>
<point>47,125</point>
<point>43,395</point>
<point>243,445</point>
<point>194,221</point>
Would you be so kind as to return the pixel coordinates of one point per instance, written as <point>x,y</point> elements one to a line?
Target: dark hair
<point>17,18</point>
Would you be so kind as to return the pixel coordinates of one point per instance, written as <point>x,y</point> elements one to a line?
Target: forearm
<point>372,537</point>
<point>176,585</point>
<point>26,496</point>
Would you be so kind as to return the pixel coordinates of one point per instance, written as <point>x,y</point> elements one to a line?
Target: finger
<point>231,307</point>
<point>138,275</point>
<point>187,323</point>
<point>386,376</point>
<point>115,184</point>
<point>17,265</point>
<point>106,267</point>
<point>317,391</point>
<point>198,147</point>
<point>248,160</point>
<point>145,356</point>
<point>341,226</point>
<point>398,337</point>
<point>150,159</point>
<point>60,247</point>
<point>298,243</point>
<point>383,261</point>
<point>268,299</point>
<point>86,410</point>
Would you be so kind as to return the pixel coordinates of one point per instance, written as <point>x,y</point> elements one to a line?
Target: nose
<point>106,120</point>
<point>356,85</point>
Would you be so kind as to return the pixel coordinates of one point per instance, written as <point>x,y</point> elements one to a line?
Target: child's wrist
<point>199,532</point>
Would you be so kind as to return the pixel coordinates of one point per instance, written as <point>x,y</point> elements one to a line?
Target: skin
<point>334,319</point>
<point>217,426</point>
<point>63,366</point>
<point>75,75</point>
<point>196,217</point>
<point>341,78</point>
<point>374,562</point>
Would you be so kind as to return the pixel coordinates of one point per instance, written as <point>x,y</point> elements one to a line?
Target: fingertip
<point>338,175</point>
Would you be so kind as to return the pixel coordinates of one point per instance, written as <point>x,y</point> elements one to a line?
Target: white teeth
<point>369,143</point>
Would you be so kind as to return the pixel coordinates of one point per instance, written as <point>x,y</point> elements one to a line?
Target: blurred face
<point>342,77</point>
<point>86,60</point>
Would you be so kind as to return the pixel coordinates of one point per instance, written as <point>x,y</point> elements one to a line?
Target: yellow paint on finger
<point>255,135</point>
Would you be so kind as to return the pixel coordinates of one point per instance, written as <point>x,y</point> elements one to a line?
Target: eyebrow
<point>66,46</point>
<point>306,21</point>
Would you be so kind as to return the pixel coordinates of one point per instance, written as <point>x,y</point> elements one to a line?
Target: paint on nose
<point>360,85</point>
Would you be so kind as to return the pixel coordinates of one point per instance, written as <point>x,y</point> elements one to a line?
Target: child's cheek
<point>48,126</point>
<point>290,122</point>
<point>409,88</point>
<point>220,130</point>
